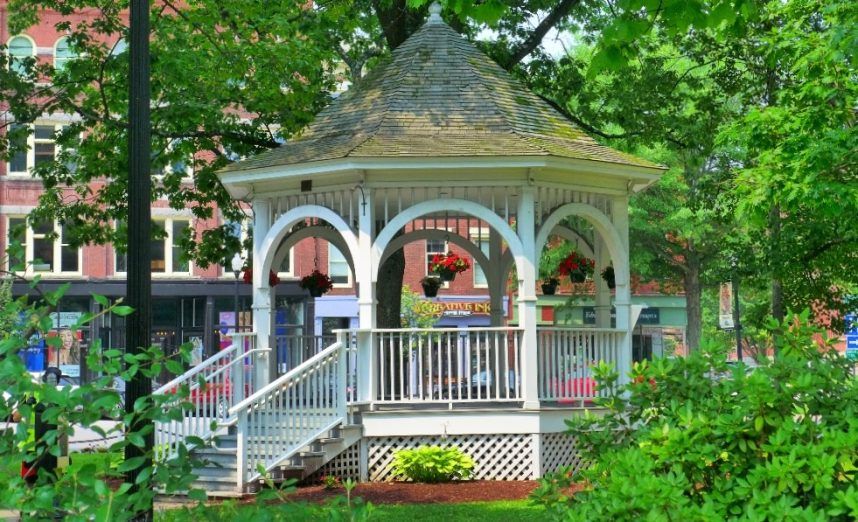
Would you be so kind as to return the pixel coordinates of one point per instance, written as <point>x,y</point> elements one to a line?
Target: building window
<point>338,267</point>
<point>33,149</point>
<point>18,163</point>
<point>63,54</point>
<point>480,236</point>
<point>166,253</point>
<point>285,268</point>
<point>46,248</point>
<point>434,247</point>
<point>20,48</point>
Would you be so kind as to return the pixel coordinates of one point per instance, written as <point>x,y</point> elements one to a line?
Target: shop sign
<point>454,308</point>
<point>648,315</point>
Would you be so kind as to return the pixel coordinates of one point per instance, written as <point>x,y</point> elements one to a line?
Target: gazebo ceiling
<point>437,97</point>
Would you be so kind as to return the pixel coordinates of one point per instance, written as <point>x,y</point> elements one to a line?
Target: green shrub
<point>432,464</point>
<point>697,439</point>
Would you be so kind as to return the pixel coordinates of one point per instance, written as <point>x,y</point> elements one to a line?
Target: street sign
<point>852,347</point>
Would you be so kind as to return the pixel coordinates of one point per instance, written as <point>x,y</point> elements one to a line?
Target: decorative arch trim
<point>571,235</point>
<point>328,234</point>
<point>458,240</point>
<point>603,227</point>
<point>476,210</point>
<point>280,228</point>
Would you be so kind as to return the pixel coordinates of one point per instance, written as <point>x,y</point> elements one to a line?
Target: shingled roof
<point>438,96</point>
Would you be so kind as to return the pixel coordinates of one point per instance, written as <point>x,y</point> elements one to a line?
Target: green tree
<point>269,67</point>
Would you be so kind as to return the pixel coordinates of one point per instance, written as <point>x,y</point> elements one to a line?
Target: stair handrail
<point>268,394</point>
<point>218,370</point>
<point>204,364</point>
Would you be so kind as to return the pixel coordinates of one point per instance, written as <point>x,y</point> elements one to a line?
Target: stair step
<point>215,479</point>
<point>215,472</point>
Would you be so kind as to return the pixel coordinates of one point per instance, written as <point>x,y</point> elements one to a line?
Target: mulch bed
<point>414,493</point>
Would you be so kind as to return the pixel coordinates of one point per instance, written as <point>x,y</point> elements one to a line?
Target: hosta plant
<point>432,464</point>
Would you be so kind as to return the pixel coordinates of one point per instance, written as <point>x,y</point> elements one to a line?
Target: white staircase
<point>219,476</point>
<point>287,429</point>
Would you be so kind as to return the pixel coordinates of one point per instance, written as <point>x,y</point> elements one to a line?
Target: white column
<point>262,310</point>
<point>365,275</point>
<point>603,293</point>
<point>527,263</point>
<point>495,278</point>
<point>623,291</point>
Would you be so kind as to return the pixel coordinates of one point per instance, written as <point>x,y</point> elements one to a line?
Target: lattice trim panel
<point>496,457</point>
<point>560,450</point>
<point>346,465</point>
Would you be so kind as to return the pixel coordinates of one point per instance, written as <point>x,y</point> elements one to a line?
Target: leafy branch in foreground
<point>699,439</point>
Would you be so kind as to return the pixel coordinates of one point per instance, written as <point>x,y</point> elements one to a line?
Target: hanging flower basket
<point>247,276</point>
<point>431,284</point>
<point>549,287</point>
<point>446,266</point>
<point>577,267</point>
<point>316,283</point>
<point>609,277</point>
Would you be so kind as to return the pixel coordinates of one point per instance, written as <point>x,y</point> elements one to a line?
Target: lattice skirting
<point>496,457</point>
<point>346,465</point>
<point>560,450</point>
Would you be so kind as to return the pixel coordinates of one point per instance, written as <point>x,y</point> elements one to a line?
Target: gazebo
<point>439,133</point>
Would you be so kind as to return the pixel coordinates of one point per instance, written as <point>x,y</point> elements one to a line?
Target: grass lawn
<point>472,512</point>
<point>506,510</point>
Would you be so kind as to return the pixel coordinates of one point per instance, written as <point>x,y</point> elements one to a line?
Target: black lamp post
<point>237,264</point>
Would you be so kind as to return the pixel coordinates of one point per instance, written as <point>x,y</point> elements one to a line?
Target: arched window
<point>20,47</point>
<point>63,53</point>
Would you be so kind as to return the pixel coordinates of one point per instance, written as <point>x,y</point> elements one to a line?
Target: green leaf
<point>122,310</point>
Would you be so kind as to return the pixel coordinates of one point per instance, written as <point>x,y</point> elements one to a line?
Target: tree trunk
<point>774,262</point>
<point>397,20</point>
<point>692,307</point>
<point>389,291</point>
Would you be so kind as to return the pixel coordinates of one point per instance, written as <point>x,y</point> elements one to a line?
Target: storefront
<point>341,311</point>
<point>658,332</point>
<point>199,312</point>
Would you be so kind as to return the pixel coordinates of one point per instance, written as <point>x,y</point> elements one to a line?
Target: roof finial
<point>434,14</point>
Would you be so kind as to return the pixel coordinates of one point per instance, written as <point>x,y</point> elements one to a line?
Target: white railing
<point>293,349</point>
<point>214,386</point>
<point>448,364</point>
<point>291,412</point>
<point>566,357</point>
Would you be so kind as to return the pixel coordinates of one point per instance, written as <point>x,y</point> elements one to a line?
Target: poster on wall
<point>65,354</point>
<point>226,327</point>
<point>725,306</point>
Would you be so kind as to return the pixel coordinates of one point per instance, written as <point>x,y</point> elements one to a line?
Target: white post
<point>602,303</point>
<point>241,452</point>
<point>365,272</point>
<point>342,376</point>
<point>262,311</point>
<point>623,291</point>
<point>527,263</point>
<point>495,278</point>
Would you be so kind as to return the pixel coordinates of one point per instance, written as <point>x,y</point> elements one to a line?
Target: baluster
<point>400,363</point>
<point>420,368</point>
<point>449,374</point>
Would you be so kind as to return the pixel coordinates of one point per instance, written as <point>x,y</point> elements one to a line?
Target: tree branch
<point>535,38</point>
